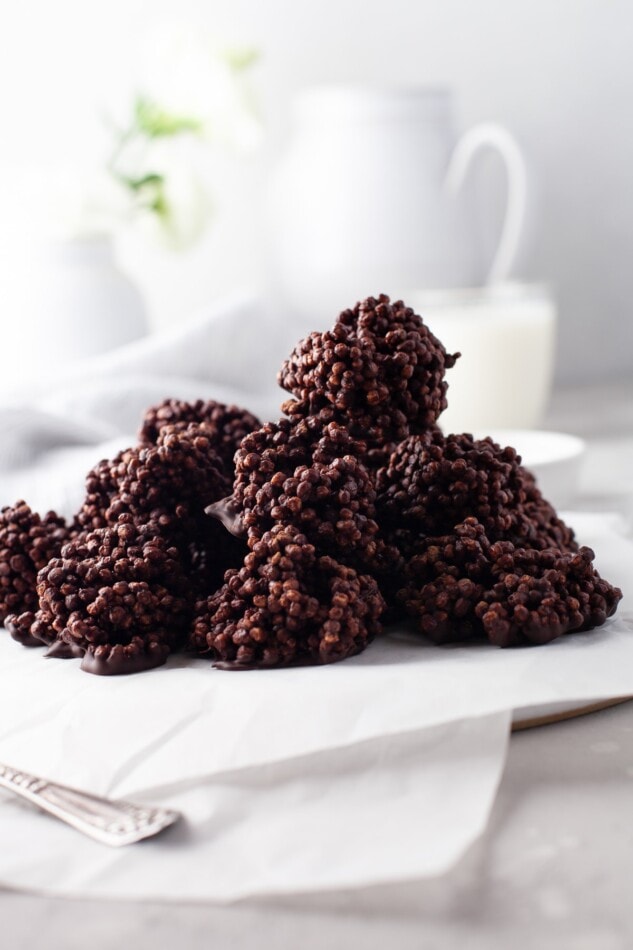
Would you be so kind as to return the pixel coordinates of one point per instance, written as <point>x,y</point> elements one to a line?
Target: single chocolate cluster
<point>287,476</point>
<point>225,426</point>
<point>433,482</point>
<point>287,605</point>
<point>171,482</point>
<point>27,543</point>
<point>379,372</point>
<point>259,546</point>
<point>118,595</point>
<point>538,595</point>
<point>463,585</point>
<point>485,554</point>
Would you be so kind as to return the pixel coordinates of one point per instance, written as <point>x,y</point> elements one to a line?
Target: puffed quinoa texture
<point>261,545</point>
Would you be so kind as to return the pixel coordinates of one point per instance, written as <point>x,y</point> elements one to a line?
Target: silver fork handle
<point>111,822</point>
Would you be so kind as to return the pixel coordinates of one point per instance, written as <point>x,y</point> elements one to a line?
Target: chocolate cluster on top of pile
<point>292,542</point>
<point>379,372</point>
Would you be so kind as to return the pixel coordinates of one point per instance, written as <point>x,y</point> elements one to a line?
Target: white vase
<point>63,299</point>
<point>367,198</point>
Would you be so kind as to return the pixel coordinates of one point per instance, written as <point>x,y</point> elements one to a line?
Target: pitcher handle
<point>492,135</point>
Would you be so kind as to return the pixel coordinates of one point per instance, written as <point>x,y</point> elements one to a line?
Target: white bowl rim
<point>556,446</point>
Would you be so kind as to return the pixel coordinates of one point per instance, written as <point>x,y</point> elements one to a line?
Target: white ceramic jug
<point>367,198</point>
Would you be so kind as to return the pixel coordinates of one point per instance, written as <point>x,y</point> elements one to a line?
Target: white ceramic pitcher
<point>368,198</point>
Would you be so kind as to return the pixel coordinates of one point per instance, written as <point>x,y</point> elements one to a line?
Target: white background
<point>558,73</point>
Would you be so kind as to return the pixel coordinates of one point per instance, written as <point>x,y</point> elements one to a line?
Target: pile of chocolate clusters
<point>295,541</point>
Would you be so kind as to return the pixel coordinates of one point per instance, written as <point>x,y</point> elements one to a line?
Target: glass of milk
<point>506,334</point>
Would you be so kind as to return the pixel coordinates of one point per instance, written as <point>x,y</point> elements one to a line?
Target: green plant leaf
<point>137,184</point>
<point>156,122</point>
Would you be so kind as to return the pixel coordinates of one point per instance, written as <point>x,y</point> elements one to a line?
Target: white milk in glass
<point>506,335</point>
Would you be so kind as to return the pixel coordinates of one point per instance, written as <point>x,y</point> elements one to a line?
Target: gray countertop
<point>552,870</point>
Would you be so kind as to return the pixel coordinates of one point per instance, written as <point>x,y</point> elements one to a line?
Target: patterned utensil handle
<point>111,822</point>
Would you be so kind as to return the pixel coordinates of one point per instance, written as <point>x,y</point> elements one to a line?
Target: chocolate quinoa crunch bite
<point>379,371</point>
<point>119,594</point>
<point>171,482</point>
<point>27,543</point>
<point>285,606</point>
<point>434,482</point>
<point>225,426</point>
<point>321,488</point>
<point>462,586</point>
<point>538,595</point>
<point>178,477</point>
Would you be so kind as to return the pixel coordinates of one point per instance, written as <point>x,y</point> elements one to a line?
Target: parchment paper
<point>381,768</point>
